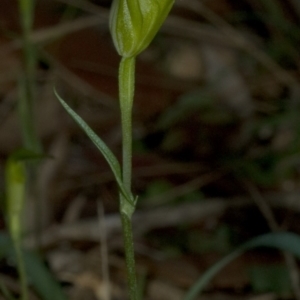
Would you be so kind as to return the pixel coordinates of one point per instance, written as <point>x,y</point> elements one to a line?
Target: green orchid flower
<point>134,23</point>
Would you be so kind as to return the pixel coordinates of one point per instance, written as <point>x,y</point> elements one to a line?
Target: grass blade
<point>43,281</point>
<point>40,277</point>
<point>284,241</point>
<point>15,176</point>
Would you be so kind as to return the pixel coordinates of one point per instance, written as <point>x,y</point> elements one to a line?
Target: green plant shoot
<point>285,241</point>
<point>106,152</point>
<point>27,80</point>
<point>15,196</point>
<point>133,25</point>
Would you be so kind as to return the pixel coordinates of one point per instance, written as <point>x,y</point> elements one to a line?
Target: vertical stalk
<point>21,269</point>
<point>129,256</point>
<point>15,179</point>
<point>26,103</point>
<point>126,93</point>
<point>26,107</point>
<point>27,122</point>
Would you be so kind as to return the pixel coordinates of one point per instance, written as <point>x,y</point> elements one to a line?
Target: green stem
<point>126,87</point>
<point>21,269</point>
<point>129,256</point>
<point>26,103</point>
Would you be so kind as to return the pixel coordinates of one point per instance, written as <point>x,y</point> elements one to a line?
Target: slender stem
<point>129,256</point>
<point>21,269</point>
<point>126,86</point>
<point>26,103</point>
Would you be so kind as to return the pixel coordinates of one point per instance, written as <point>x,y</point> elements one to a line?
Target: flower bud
<point>134,23</point>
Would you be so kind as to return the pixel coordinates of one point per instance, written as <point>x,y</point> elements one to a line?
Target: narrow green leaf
<point>284,241</point>
<point>270,278</point>
<point>15,175</point>
<point>40,277</point>
<point>106,152</point>
<point>43,281</point>
<point>26,99</point>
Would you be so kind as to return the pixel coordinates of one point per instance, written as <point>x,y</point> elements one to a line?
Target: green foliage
<point>133,24</point>
<point>106,152</point>
<point>43,281</point>
<point>15,195</point>
<point>16,180</point>
<point>284,40</point>
<point>154,189</point>
<point>217,241</point>
<point>270,278</point>
<point>27,80</point>
<point>25,110</point>
<point>277,157</point>
<point>284,241</point>
<point>39,276</point>
<point>15,176</point>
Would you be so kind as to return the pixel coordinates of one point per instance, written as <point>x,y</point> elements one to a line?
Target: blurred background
<point>216,146</point>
